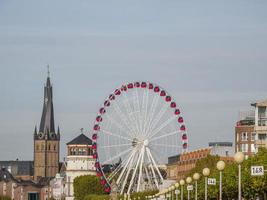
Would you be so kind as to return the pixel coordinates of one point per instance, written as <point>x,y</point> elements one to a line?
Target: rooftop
<point>81,139</point>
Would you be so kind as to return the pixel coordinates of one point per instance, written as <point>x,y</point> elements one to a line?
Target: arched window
<point>37,147</point>
<point>55,147</point>
<point>48,147</point>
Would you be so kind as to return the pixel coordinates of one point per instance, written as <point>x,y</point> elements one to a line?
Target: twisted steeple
<point>47,124</point>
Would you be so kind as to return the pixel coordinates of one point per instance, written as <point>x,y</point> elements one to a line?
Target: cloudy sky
<point>210,55</point>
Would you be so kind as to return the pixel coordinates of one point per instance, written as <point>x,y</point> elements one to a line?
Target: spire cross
<point>48,71</point>
<point>81,130</point>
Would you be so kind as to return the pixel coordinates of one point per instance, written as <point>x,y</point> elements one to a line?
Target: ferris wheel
<point>137,128</point>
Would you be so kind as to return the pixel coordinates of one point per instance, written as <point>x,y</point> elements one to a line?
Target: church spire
<point>47,119</point>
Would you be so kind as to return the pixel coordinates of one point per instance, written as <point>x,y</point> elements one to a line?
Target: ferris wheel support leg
<point>127,174</point>
<point>141,168</point>
<point>148,176</point>
<point>154,163</point>
<point>152,169</point>
<point>134,173</point>
<point>125,167</point>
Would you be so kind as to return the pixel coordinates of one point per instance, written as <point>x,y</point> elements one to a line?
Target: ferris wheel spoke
<point>130,113</point>
<point>166,145</point>
<point>164,124</point>
<point>116,135</point>
<point>118,168</point>
<point>163,136</point>
<point>151,113</point>
<point>124,118</point>
<point>115,145</point>
<point>120,125</point>
<point>117,156</point>
<point>145,109</point>
<point>154,163</point>
<point>137,108</point>
<point>158,116</point>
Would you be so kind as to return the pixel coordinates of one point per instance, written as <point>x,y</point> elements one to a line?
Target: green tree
<point>86,185</point>
<point>252,186</point>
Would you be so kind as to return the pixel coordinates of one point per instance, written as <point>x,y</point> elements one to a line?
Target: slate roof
<point>81,139</point>
<point>47,121</point>
<point>18,167</point>
<point>6,176</point>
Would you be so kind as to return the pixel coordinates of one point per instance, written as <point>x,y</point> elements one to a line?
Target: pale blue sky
<point>210,55</point>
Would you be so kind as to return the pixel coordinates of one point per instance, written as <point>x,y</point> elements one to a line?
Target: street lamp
<point>220,167</point>
<point>206,173</point>
<point>176,186</point>
<point>196,177</point>
<point>239,158</point>
<point>188,181</point>
<point>182,182</point>
<point>172,191</point>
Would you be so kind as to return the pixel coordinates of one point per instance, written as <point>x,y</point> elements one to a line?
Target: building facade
<point>179,166</point>
<point>80,162</point>
<point>185,163</point>
<point>222,148</point>
<point>46,140</point>
<point>24,189</point>
<point>251,129</point>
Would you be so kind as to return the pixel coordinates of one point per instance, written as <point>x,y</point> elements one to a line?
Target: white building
<point>222,148</point>
<point>79,162</point>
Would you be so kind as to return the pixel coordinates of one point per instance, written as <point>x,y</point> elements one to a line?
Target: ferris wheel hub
<point>146,143</point>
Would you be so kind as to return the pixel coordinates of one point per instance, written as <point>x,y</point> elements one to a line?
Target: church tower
<point>46,140</point>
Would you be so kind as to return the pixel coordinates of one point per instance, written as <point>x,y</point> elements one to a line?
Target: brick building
<point>251,129</point>
<point>184,163</point>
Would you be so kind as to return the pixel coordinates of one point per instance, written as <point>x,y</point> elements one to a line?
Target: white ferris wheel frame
<point>133,169</point>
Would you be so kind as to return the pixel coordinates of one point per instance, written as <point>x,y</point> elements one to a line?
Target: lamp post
<point>220,167</point>
<point>239,158</point>
<point>196,177</point>
<point>206,173</point>
<point>173,192</point>
<point>170,193</point>
<point>182,182</point>
<point>176,187</point>
<point>188,181</point>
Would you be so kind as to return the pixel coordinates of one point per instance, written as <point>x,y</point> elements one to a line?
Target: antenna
<point>48,71</point>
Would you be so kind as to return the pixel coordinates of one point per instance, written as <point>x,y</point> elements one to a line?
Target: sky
<point>210,55</point>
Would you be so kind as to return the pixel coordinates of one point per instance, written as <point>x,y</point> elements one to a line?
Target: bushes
<point>97,197</point>
<point>136,195</point>
<point>4,198</point>
<point>87,185</point>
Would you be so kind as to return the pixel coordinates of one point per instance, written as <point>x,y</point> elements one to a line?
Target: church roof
<point>81,139</point>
